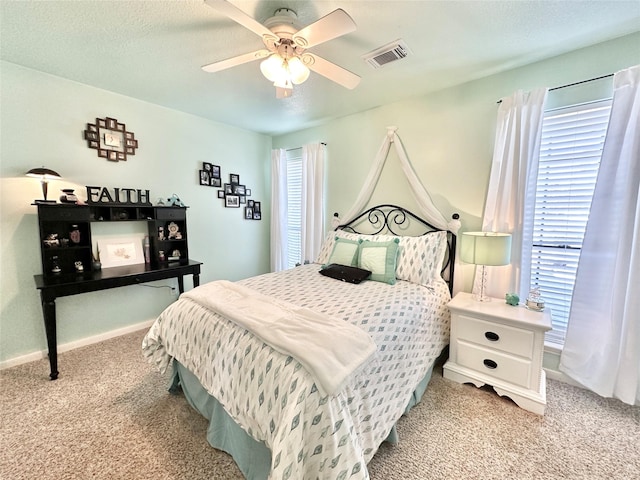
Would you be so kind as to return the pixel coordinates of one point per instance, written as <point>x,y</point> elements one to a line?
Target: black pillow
<point>345,273</point>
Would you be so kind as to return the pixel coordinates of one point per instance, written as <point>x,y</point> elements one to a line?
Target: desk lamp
<point>44,174</point>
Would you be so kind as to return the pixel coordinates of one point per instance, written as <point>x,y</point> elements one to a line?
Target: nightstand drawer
<point>495,336</point>
<point>498,365</point>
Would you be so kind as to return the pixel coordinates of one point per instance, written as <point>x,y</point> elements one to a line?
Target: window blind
<point>570,151</point>
<point>294,207</point>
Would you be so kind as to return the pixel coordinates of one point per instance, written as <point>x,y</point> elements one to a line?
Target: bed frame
<point>394,220</point>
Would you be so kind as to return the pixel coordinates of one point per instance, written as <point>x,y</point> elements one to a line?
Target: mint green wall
<point>448,135</point>
<point>42,123</point>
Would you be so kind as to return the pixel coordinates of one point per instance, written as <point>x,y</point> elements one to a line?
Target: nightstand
<point>499,345</point>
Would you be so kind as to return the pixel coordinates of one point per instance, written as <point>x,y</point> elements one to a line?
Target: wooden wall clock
<point>111,139</point>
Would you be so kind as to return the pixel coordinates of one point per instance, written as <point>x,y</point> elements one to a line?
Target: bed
<point>284,409</point>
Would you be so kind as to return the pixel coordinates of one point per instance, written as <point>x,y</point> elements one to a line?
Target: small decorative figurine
<point>79,266</point>
<point>512,299</point>
<point>52,240</point>
<point>55,267</point>
<point>160,233</point>
<point>534,300</point>
<point>174,201</point>
<point>174,232</point>
<point>161,256</point>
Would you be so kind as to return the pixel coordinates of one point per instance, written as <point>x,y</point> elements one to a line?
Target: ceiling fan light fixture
<point>273,67</point>
<point>298,70</point>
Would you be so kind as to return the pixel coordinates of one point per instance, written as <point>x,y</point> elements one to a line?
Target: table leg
<point>196,280</point>
<point>180,284</point>
<point>49,314</point>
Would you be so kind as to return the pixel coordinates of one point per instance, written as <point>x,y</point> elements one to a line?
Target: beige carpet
<point>109,416</point>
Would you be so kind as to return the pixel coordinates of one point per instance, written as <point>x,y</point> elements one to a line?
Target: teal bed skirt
<point>252,456</point>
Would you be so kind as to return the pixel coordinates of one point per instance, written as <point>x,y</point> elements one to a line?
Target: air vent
<point>391,52</point>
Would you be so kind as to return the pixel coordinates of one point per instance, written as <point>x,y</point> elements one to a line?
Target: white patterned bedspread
<point>273,397</point>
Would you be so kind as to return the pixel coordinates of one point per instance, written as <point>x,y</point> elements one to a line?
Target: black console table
<point>52,287</point>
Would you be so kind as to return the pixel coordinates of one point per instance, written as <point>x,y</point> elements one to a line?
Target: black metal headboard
<point>395,220</point>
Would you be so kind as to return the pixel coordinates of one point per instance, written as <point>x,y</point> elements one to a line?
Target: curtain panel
<point>510,200</point>
<point>602,346</point>
<point>279,212</point>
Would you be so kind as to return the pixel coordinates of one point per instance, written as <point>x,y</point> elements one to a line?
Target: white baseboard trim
<point>83,342</point>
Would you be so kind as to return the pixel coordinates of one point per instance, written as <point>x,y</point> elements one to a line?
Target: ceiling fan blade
<point>239,60</point>
<point>331,71</point>
<point>237,15</point>
<point>335,24</point>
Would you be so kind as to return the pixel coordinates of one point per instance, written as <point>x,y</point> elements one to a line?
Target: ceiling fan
<point>285,60</point>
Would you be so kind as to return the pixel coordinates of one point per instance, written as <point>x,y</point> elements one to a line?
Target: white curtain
<point>313,165</point>
<point>426,206</point>
<point>602,347</point>
<point>279,212</point>
<point>512,187</point>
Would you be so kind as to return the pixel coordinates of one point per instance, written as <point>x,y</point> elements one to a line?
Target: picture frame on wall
<point>248,213</point>
<point>232,201</point>
<point>215,171</point>
<point>239,190</point>
<point>204,177</point>
<point>220,193</point>
<point>256,207</point>
<point>228,189</point>
<point>248,192</point>
<point>208,167</point>
<point>234,178</point>
<point>215,182</point>
<point>250,203</point>
<point>257,215</point>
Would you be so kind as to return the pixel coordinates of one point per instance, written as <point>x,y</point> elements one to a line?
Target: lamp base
<point>48,202</point>
<point>481,298</point>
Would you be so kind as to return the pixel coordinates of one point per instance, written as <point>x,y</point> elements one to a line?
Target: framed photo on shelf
<point>116,252</point>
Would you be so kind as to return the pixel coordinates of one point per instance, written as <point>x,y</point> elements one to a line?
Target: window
<point>570,151</point>
<point>294,207</point>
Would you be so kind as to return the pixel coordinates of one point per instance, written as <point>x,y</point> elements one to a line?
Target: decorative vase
<point>96,265</point>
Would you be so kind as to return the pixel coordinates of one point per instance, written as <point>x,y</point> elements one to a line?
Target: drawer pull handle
<point>492,336</point>
<point>490,363</point>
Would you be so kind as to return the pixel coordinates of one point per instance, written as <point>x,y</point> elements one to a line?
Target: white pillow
<point>420,258</point>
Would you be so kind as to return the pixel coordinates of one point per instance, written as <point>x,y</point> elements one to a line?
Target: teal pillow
<point>345,252</point>
<point>380,259</point>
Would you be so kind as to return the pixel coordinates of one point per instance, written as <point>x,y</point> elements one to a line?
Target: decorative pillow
<point>345,273</point>
<point>345,252</point>
<point>421,257</point>
<point>380,258</point>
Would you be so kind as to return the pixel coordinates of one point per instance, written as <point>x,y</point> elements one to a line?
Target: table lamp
<point>485,249</point>
<point>44,174</point>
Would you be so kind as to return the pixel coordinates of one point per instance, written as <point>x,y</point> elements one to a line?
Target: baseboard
<point>83,342</point>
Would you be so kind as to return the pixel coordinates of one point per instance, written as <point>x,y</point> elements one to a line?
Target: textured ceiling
<point>153,50</point>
